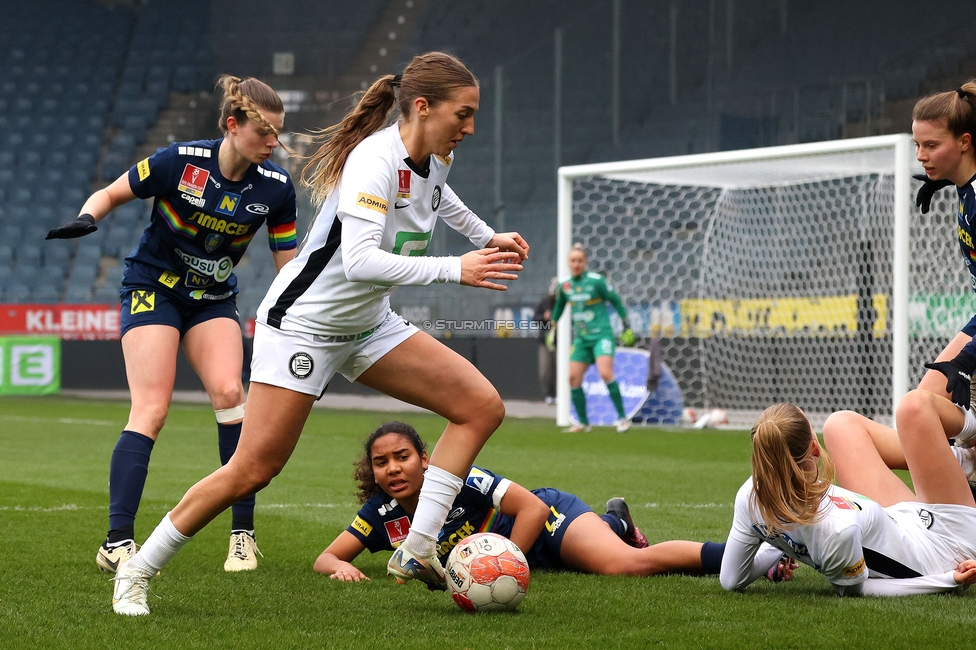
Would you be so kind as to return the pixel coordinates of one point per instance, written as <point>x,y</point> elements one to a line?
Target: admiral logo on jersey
<point>374,203</point>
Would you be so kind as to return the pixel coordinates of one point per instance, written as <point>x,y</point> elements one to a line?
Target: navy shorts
<point>970,328</point>
<point>564,508</point>
<point>149,306</point>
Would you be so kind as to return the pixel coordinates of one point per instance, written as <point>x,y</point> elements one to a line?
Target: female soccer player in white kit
<point>898,543</point>
<point>328,311</point>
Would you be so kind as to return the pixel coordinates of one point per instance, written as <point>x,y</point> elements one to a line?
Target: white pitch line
<point>33,418</point>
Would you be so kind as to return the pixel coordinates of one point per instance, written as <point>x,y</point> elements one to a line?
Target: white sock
<point>436,496</point>
<point>164,542</point>
<point>968,434</point>
<point>965,457</point>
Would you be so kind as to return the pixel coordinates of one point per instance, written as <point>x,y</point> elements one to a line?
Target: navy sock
<point>127,478</point>
<point>616,524</point>
<point>242,511</point>
<point>711,556</point>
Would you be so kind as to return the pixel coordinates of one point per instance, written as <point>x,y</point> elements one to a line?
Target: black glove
<point>923,199</point>
<point>959,374</point>
<point>83,225</point>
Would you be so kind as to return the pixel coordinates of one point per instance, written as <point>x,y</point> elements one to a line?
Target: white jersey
<point>370,236</point>
<point>859,546</point>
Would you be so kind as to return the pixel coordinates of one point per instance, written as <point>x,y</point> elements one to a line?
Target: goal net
<point>801,273</point>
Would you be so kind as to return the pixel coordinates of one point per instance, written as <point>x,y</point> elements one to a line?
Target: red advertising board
<point>67,321</point>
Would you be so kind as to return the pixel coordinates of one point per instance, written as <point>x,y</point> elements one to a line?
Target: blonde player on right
<point>891,542</point>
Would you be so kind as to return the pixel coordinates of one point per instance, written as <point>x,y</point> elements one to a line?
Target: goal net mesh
<point>771,280</point>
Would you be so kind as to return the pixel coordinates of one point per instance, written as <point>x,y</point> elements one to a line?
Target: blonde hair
<point>956,108</point>
<point>434,76</point>
<point>243,98</point>
<point>784,491</point>
<point>578,247</point>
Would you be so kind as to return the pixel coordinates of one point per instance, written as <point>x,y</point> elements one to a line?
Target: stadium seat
<point>106,294</point>
<point>77,294</point>
<point>28,255</point>
<point>45,295</point>
<point>17,293</point>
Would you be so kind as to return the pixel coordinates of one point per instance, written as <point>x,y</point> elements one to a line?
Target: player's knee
<point>227,394</point>
<point>839,426</point>
<point>251,477</point>
<point>493,412</point>
<point>913,405</point>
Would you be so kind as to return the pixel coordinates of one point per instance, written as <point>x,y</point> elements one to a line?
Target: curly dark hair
<point>363,472</point>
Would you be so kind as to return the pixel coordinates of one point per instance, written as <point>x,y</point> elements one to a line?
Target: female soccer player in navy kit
<point>873,536</point>
<point>210,197</point>
<point>556,530</point>
<point>381,192</point>
<point>943,128</point>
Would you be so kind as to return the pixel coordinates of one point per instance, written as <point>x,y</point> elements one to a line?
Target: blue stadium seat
<point>17,293</point>
<point>106,294</point>
<point>45,295</point>
<point>77,294</point>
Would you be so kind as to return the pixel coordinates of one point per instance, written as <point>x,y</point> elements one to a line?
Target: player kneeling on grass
<point>553,528</point>
<point>894,543</point>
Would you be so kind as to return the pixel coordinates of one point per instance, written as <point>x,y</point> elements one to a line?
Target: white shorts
<point>305,363</point>
<point>953,525</point>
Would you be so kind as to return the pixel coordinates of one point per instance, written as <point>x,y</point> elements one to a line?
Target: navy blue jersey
<point>202,223</point>
<point>966,230</point>
<point>382,523</point>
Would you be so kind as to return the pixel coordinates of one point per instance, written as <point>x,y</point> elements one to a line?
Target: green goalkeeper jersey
<point>588,295</point>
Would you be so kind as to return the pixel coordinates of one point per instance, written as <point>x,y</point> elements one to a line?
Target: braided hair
<point>243,98</point>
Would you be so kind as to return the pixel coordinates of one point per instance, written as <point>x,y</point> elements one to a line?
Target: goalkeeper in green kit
<point>593,339</point>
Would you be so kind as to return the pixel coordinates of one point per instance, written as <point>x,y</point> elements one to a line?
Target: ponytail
<point>956,108</point>
<point>324,167</point>
<point>433,76</point>
<point>788,481</point>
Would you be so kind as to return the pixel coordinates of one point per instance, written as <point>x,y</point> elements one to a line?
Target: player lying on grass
<point>555,529</point>
<point>891,542</point>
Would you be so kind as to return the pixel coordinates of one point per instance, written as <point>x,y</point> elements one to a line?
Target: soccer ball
<point>688,415</point>
<point>718,417</point>
<point>487,573</point>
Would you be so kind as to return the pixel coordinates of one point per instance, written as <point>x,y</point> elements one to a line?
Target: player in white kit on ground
<point>889,543</point>
<point>381,191</point>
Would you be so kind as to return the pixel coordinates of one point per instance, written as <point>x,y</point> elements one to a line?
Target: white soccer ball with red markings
<point>487,573</point>
<point>718,417</point>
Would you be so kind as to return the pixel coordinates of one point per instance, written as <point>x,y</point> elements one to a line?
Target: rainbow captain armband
<point>282,237</point>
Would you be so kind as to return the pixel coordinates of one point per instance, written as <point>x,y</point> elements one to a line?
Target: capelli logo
<point>257,208</point>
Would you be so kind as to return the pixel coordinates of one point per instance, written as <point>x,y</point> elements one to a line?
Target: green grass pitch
<point>54,457</point>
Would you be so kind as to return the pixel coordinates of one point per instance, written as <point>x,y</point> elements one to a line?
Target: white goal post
<point>798,273</point>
